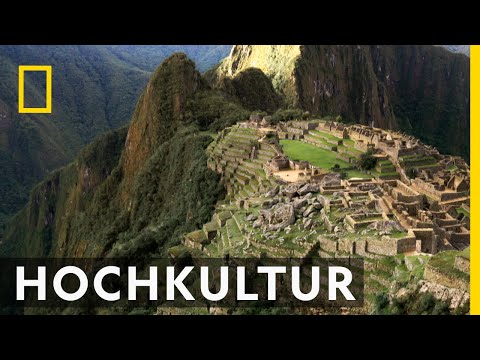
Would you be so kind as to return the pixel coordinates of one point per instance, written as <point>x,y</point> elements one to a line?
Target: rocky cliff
<point>423,90</point>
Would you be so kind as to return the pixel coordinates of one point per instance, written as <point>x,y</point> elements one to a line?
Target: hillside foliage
<point>84,209</point>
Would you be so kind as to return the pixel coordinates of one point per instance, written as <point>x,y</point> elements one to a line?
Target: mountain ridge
<point>422,90</point>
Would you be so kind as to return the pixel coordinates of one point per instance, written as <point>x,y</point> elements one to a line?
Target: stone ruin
<point>370,218</point>
<point>300,202</point>
<point>278,163</point>
<point>276,218</point>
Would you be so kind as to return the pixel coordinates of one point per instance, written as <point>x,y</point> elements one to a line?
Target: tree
<point>367,161</point>
<point>381,303</point>
<point>335,168</point>
<point>411,173</point>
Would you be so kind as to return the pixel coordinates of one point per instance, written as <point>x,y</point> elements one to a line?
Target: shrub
<point>381,303</point>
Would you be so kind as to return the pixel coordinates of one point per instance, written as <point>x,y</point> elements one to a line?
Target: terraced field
<point>418,162</point>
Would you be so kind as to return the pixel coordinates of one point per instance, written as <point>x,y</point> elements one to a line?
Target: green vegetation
<point>463,211</point>
<point>93,92</point>
<point>255,91</point>
<point>289,114</point>
<point>367,161</point>
<point>211,110</point>
<point>121,208</point>
<point>138,197</point>
<point>445,261</point>
<point>411,304</point>
<point>325,135</point>
<point>411,173</point>
<point>297,150</point>
<point>465,253</point>
<point>95,89</point>
<point>452,167</point>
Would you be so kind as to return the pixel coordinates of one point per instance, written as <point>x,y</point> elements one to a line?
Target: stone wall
<point>446,196</point>
<point>394,150</point>
<point>391,247</point>
<point>327,244</point>
<point>428,242</point>
<point>328,190</point>
<point>357,221</point>
<point>456,297</point>
<point>460,238</point>
<point>429,189</point>
<point>403,193</point>
<point>305,125</point>
<point>407,244</point>
<point>346,245</point>
<point>360,145</point>
<point>435,276</point>
<point>384,246</point>
<point>346,158</point>
<point>292,130</point>
<point>361,247</point>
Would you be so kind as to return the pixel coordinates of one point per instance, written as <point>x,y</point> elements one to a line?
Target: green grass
<point>297,150</point>
<point>212,134</point>
<point>445,261</point>
<point>452,167</point>
<point>398,234</point>
<point>465,253</point>
<point>350,149</point>
<point>461,210</point>
<point>325,135</point>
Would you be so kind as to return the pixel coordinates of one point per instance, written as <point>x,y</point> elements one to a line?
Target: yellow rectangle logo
<point>21,89</point>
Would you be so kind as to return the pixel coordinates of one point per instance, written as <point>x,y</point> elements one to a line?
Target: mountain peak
<point>160,110</point>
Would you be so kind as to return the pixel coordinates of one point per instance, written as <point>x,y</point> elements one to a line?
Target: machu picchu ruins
<point>347,156</point>
<point>412,206</point>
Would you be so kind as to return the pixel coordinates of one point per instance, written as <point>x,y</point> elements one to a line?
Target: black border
<point>361,334</point>
<point>237,23</point>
